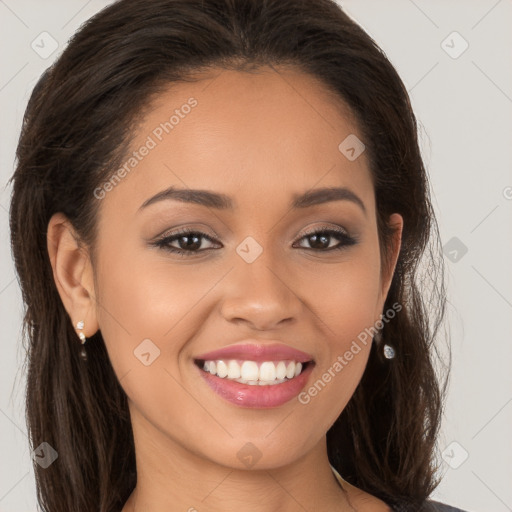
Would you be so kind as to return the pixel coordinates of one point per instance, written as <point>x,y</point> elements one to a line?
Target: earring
<point>83,339</point>
<point>81,335</point>
<point>388,350</point>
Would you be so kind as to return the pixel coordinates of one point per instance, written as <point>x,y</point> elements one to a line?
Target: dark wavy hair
<point>77,128</point>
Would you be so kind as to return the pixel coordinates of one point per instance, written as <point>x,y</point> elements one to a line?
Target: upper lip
<point>253,350</point>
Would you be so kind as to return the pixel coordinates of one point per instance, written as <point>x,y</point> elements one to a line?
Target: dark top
<point>435,506</point>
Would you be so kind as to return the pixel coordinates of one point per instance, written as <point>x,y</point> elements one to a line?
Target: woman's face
<point>256,282</point>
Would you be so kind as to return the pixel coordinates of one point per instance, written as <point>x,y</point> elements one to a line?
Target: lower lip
<point>256,396</point>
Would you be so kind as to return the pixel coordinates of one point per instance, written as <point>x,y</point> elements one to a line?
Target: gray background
<point>463,101</point>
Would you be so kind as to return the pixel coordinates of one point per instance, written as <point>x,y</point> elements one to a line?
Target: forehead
<point>259,136</point>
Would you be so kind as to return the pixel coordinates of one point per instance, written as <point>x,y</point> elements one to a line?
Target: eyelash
<point>164,242</point>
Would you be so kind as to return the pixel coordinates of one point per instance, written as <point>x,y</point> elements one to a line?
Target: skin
<point>260,138</point>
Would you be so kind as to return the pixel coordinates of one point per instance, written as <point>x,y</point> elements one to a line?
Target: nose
<point>261,295</point>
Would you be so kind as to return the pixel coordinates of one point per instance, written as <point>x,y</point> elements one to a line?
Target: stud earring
<point>388,350</point>
<point>83,339</point>
<point>81,335</point>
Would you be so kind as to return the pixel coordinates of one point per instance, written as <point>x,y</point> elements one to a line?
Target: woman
<point>218,214</point>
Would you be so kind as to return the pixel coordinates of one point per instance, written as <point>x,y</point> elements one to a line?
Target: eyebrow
<point>223,202</point>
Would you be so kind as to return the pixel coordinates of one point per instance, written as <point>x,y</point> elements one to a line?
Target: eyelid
<point>325,227</point>
<point>188,228</point>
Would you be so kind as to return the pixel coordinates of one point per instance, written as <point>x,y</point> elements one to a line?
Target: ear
<point>72,272</point>
<point>396,222</point>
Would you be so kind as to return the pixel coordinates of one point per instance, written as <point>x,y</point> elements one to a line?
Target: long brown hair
<point>77,126</point>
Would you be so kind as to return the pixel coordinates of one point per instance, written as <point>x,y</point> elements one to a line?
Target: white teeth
<point>233,370</point>
<point>267,371</point>
<point>248,372</point>
<point>280,370</point>
<point>222,369</point>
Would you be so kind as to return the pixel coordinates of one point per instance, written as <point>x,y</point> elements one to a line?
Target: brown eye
<point>321,239</point>
<point>188,241</point>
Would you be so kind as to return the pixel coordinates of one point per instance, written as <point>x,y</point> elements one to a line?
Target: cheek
<point>144,296</point>
<point>146,317</point>
<point>344,299</point>
<point>153,298</point>
<point>344,295</point>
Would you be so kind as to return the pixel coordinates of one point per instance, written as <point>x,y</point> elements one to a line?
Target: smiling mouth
<point>254,373</point>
